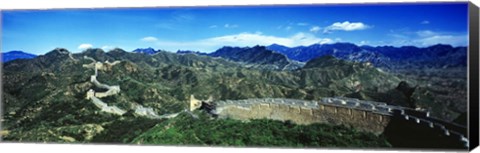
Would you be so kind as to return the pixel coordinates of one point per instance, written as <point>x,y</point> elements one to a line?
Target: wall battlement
<point>363,115</point>
<point>348,103</point>
<point>111,90</point>
<point>447,130</point>
<point>359,114</point>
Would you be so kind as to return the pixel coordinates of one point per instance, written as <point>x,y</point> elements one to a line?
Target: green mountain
<point>256,57</point>
<point>45,98</point>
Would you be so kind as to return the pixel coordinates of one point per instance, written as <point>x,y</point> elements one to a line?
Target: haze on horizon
<point>206,29</point>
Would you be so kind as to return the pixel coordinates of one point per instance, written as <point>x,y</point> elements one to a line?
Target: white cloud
<point>242,40</point>
<point>346,26</point>
<point>364,42</point>
<point>425,33</point>
<point>454,40</point>
<point>230,26</point>
<point>288,28</point>
<point>425,22</point>
<point>149,39</point>
<point>251,39</point>
<point>428,38</point>
<point>425,38</point>
<point>315,29</point>
<point>84,46</point>
<point>107,47</point>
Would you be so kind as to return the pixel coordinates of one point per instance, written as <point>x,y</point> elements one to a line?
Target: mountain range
<point>252,57</point>
<point>257,56</point>
<point>13,55</point>
<point>44,97</point>
<point>440,68</point>
<point>149,51</point>
<point>387,57</point>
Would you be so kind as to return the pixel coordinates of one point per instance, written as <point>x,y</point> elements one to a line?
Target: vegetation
<point>186,130</point>
<point>124,130</point>
<point>44,99</point>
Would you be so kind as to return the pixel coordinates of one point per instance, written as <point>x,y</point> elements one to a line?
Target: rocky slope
<point>388,57</point>
<point>258,57</point>
<point>44,98</point>
<point>440,70</point>
<point>149,51</point>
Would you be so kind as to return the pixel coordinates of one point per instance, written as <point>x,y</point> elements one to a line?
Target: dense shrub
<point>185,130</point>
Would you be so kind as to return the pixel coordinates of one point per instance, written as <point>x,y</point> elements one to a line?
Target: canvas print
<point>291,76</point>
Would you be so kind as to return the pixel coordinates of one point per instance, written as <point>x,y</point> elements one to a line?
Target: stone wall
<point>194,103</point>
<point>445,134</point>
<point>403,126</point>
<point>360,115</point>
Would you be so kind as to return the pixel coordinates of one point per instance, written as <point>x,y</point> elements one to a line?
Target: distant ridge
<point>149,51</point>
<point>253,57</point>
<point>13,55</point>
<point>389,57</point>
<point>191,52</point>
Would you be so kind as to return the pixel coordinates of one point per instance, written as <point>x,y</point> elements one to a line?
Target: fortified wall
<point>370,117</point>
<point>363,115</point>
<point>113,90</point>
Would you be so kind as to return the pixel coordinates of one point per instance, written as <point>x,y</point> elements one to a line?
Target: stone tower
<point>194,103</point>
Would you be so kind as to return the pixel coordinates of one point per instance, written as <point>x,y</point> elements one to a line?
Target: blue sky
<point>209,28</point>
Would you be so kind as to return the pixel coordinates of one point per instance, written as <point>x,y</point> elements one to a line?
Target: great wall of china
<point>363,115</point>
<point>366,116</point>
<point>113,90</point>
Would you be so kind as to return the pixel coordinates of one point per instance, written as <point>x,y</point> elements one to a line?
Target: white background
<point>85,148</point>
